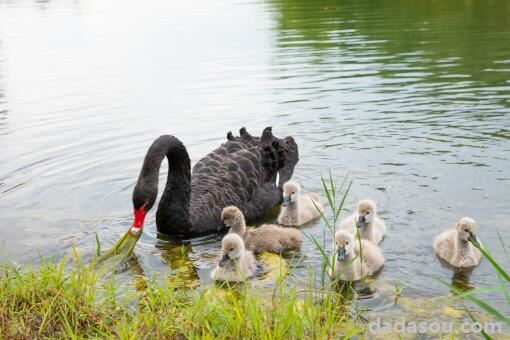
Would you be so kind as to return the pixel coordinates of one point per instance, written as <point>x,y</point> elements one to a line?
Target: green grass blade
<point>343,201</point>
<point>503,245</point>
<point>488,256</point>
<point>485,335</point>
<point>483,305</point>
<point>332,184</point>
<point>98,246</point>
<point>326,191</point>
<point>319,247</point>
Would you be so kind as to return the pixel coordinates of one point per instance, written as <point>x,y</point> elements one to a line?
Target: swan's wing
<point>266,198</point>
<point>277,155</point>
<point>241,172</point>
<point>222,181</point>
<point>443,244</point>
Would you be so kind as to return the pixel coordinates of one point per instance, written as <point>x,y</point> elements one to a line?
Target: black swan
<point>241,172</point>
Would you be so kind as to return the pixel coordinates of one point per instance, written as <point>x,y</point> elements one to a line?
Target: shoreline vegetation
<point>80,300</point>
<point>54,302</point>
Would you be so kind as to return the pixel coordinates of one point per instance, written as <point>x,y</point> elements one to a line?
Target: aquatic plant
<point>335,203</point>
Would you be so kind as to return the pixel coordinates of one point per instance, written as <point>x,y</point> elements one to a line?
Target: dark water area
<point>410,99</point>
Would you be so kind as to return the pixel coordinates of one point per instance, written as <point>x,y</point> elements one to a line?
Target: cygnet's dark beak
<point>361,222</point>
<point>341,253</point>
<point>473,239</point>
<point>286,201</point>
<point>224,260</point>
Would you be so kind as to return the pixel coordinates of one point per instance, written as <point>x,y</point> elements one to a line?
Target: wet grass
<point>51,301</point>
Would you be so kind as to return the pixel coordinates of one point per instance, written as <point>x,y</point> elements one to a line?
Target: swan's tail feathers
<point>245,134</point>
<point>267,136</point>
<point>272,159</point>
<point>230,136</point>
<point>279,156</point>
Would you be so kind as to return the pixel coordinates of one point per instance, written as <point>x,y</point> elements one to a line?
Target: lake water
<point>410,99</point>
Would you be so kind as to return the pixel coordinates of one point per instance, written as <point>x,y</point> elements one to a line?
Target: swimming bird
<point>346,259</point>
<point>267,237</point>
<point>298,208</point>
<point>454,246</point>
<point>371,227</point>
<point>241,172</point>
<point>235,263</point>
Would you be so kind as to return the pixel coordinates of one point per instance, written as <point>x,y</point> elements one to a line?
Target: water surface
<point>411,99</point>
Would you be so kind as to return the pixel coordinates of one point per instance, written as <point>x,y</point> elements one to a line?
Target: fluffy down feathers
<point>268,237</point>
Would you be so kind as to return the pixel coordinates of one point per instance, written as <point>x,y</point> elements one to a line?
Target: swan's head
<point>232,248</point>
<point>291,190</point>
<point>144,196</point>
<point>466,228</point>
<point>344,244</point>
<point>233,218</point>
<point>366,210</point>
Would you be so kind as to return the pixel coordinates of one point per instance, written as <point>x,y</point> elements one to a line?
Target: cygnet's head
<point>291,190</point>
<point>232,248</point>
<point>344,243</point>
<point>366,211</point>
<point>232,217</point>
<point>466,228</point>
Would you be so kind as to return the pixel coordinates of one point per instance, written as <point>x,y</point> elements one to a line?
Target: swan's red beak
<point>138,220</point>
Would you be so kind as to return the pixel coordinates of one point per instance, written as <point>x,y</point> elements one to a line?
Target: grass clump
<point>48,302</point>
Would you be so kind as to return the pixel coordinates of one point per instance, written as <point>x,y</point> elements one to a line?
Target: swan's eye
<point>465,230</point>
<point>347,242</point>
<point>231,249</point>
<point>293,192</point>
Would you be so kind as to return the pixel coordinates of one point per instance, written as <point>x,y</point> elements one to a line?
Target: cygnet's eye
<point>293,192</point>
<point>231,249</point>
<point>347,242</point>
<point>465,230</point>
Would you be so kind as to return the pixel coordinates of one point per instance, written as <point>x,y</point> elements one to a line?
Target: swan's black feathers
<point>240,172</point>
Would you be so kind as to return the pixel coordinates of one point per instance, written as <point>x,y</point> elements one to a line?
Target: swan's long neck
<point>462,246</point>
<point>294,205</point>
<point>239,226</point>
<point>369,227</point>
<point>172,216</point>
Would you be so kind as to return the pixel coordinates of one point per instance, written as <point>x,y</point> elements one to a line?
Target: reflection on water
<point>410,98</point>
<point>460,279</point>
